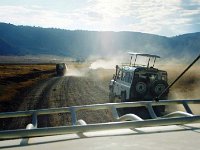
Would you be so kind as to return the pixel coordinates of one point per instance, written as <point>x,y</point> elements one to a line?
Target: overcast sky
<point>162,17</point>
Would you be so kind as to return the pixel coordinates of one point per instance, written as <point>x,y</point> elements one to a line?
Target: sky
<point>161,17</point>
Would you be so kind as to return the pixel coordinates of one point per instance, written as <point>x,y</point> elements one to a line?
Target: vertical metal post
<point>131,60</point>
<point>114,112</point>
<point>34,119</point>
<point>151,111</point>
<point>148,62</point>
<point>73,115</point>
<point>154,61</point>
<point>187,108</point>
<point>135,60</point>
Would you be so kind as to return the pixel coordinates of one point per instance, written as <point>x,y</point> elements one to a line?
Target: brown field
<point>16,79</point>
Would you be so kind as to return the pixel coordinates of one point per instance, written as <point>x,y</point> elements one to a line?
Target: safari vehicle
<point>134,82</point>
<point>61,69</point>
<point>138,82</point>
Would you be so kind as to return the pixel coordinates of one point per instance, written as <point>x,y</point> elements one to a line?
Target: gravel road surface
<point>62,92</point>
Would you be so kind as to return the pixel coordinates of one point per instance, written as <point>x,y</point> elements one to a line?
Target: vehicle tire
<point>157,88</point>
<point>139,88</point>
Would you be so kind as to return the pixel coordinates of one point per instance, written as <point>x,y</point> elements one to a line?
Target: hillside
<point>25,40</point>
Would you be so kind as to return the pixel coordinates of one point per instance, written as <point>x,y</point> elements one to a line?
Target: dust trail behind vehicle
<point>187,87</point>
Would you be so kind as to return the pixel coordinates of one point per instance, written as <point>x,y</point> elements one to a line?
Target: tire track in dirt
<point>62,92</point>
<point>33,100</point>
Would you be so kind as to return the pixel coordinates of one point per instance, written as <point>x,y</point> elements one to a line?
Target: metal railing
<point>80,126</point>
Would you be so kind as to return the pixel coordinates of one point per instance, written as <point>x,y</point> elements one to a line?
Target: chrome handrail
<point>97,107</point>
<point>79,126</point>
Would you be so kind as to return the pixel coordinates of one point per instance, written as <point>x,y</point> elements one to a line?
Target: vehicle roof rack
<point>142,54</point>
<point>145,55</point>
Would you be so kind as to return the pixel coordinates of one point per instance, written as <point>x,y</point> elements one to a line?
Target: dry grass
<point>15,78</point>
<point>15,70</point>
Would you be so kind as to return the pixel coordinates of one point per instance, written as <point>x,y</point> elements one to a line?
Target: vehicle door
<point>125,83</point>
<point>117,85</point>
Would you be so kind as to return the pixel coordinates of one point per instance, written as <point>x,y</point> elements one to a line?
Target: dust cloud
<point>101,70</point>
<point>108,62</point>
<point>104,64</point>
<point>76,71</point>
<point>187,87</point>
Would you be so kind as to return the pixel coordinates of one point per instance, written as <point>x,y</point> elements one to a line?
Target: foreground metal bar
<point>178,114</point>
<point>187,108</point>
<point>95,127</point>
<point>96,107</point>
<point>80,126</point>
<point>129,117</point>
<point>151,111</point>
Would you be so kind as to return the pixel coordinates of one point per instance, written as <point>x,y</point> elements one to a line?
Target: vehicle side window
<point>127,76</point>
<point>164,77</point>
<point>119,74</point>
<point>130,77</point>
<point>123,76</point>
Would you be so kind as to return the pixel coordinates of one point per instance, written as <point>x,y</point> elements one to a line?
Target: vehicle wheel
<point>139,88</point>
<point>158,86</point>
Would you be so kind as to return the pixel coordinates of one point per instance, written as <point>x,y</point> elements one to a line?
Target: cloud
<point>34,15</point>
<point>153,16</point>
<point>165,18</point>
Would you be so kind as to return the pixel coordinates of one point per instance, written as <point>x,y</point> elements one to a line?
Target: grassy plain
<point>16,79</point>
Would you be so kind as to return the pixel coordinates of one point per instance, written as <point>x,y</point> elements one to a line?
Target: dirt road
<point>80,88</point>
<point>62,92</point>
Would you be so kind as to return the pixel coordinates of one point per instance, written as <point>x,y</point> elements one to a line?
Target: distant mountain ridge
<point>26,40</point>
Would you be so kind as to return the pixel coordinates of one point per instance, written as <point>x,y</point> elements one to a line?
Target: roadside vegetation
<point>17,79</point>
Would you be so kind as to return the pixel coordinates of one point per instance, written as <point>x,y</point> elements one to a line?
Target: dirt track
<point>65,91</point>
